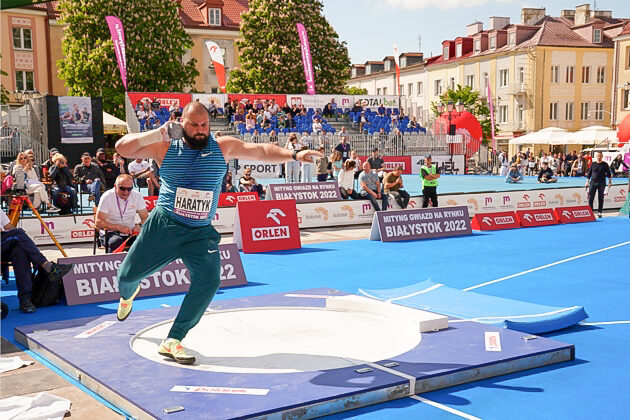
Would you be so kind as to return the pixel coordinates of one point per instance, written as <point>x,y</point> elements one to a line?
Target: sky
<point>370,27</point>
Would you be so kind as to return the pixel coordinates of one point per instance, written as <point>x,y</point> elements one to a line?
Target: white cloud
<point>440,4</point>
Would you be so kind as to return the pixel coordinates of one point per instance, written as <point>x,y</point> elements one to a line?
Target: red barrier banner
<point>165,99</point>
<point>150,201</point>
<point>267,225</point>
<point>495,221</point>
<point>575,214</point>
<point>230,199</point>
<point>390,163</point>
<point>536,217</point>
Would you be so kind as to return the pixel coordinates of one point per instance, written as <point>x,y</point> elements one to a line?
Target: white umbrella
<point>594,134</point>
<point>544,136</point>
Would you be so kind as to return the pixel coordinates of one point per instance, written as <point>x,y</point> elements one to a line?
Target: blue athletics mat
<point>526,317</point>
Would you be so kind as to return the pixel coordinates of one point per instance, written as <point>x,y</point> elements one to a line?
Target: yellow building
<point>31,39</point>
<point>621,77</point>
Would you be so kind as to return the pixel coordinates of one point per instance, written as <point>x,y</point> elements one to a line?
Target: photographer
<point>89,177</point>
<point>62,178</point>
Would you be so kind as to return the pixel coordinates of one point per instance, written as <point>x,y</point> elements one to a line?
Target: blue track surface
<point>593,386</point>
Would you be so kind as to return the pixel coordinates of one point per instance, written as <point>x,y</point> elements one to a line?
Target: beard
<point>196,142</point>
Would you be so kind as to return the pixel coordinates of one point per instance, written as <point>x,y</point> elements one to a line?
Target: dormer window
<point>597,36</point>
<point>512,39</point>
<point>388,65</point>
<point>477,45</point>
<point>214,17</point>
<point>458,50</point>
<point>445,52</point>
<point>493,43</point>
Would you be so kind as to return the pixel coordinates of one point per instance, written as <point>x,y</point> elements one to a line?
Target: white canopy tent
<point>113,125</point>
<point>544,136</point>
<point>595,134</point>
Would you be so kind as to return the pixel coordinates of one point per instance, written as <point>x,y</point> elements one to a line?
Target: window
<point>570,70</point>
<point>409,89</point>
<point>401,89</point>
<point>520,113</point>
<point>384,91</point>
<point>420,88</point>
<point>24,81</point>
<point>599,111</point>
<point>445,53</point>
<point>553,111</point>
<point>597,36</point>
<point>378,91</point>
<point>504,77</point>
<point>503,114</point>
<point>22,39</point>
<point>512,39</point>
<point>601,74</point>
<point>214,17</point>
<point>486,81</point>
<point>584,111</point>
<point>470,80</point>
<point>438,87</point>
<point>452,83</point>
<point>628,57</point>
<point>477,45</point>
<point>586,74</point>
<point>568,111</point>
<point>554,74</point>
<point>626,99</point>
<point>521,74</point>
<point>493,43</point>
<point>458,50</point>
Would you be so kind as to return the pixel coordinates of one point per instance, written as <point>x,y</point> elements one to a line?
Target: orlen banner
<point>165,99</point>
<point>280,99</point>
<point>390,163</point>
<point>206,98</point>
<point>320,101</point>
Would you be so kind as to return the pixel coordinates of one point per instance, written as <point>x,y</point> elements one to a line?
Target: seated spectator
<point>89,177</point>
<point>393,185</point>
<point>117,213</point>
<point>546,174</point>
<point>354,156</point>
<point>140,170</point>
<point>330,110</point>
<point>346,180</point>
<point>249,184</point>
<point>24,167</point>
<point>47,164</point>
<point>362,121</point>
<point>155,105</point>
<point>371,187</point>
<point>274,107</point>
<point>213,110</point>
<point>617,166</point>
<point>63,195</point>
<point>317,126</point>
<point>239,117</point>
<point>381,111</point>
<point>413,123</point>
<point>579,167</point>
<point>120,164</point>
<point>273,137</point>
<point>19,249</point>
<point>250,120</point>
<point>107,167</point>
<point>514,176</point>
<point>228,184</point>
<point>531,165</point>
<point>173,108</point>
<point>322,166</point>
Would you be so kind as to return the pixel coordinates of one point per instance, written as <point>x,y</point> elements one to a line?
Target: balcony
<point>517,88</point>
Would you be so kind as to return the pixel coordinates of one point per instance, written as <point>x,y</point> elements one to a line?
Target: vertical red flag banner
<point>118,37</point>
<point>217,61</point>
<point>306,59</point>
<point>397,62</point>
<point>489,94</point>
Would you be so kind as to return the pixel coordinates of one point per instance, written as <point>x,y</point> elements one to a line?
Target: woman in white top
<point>292,169</point>
<point>31,181</point>
<point>250,120</point>
<point>346,181</point>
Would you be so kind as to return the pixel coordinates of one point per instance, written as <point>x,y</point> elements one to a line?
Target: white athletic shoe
<point>173,349</point>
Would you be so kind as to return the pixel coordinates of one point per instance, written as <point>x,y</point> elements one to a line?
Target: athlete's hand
<point>172,130</point>
<point>308,156</point>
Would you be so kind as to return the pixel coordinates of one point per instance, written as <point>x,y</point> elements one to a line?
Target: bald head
<point>194,108</point>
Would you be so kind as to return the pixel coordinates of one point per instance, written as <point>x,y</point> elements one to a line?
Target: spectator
<point>239,118</point>
<point>249,184</point>
<point>343,148</point>
<point>228,110</point>
<point>560,161</point>
<point>546,174</point>
<point>514,176</point>
<point>273,137</point>
<point>531,165</point>
<point>19,249</point>
<point>553,163</point>
<point>155,105</point>
<point>337,163</point>
<point>228,184</point>
<point>545,158</point>
<point>63,195</point>
<point>89,177</point>
<point>362,121</point>
<point>250,120</point>
<point>322,166</point>
<point>330,110</point>
<point>503,161</point>
<point>173,109</point>
<point>120,164</point>
<point>393,185</point>
<point>381,110</point>
<point>49,162</point>
<point>23,167</point>
<point>292,169</point>
<point>307,167</point>
<point>521,163</point>
<point>107,167</point>
<point>589,160</point>
<point>413,123</point>
<point>117,213</point>
<point>357,163</point>
<point>317,126</point>
<point>213,110</point>
<point>274,107</point>
<point>579,166</point>
<point>616,166</point>
<point>346,180</point>
<point>371,187</point>
<point>376,163</point>
<point>596,181</point>
<point>568,163</point>
<point>141,170</point>
<point>430,176</point>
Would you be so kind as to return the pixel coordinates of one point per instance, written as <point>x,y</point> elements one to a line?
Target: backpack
<point>44,291</point>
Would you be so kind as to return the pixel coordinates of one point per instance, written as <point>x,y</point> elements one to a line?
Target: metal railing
<point>19,141</point>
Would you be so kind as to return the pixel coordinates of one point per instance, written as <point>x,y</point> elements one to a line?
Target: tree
<point>270,55</point>
<point>353,90</point>
<point>4,93</point>
<point>473,104</point>
<point>155,42</point>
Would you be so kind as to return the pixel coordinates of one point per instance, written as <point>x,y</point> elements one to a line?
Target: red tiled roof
<point>49,7</point>
<point>555,33</point>
<point>626,29</point>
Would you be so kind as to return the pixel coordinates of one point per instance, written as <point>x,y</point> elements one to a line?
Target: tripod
<point>14,216</point>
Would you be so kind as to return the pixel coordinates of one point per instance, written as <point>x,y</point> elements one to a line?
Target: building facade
<point>621,77</point>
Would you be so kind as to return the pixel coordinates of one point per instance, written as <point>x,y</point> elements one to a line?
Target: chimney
<point>497,22</point>
<point>567,13</point>
<point>530,15</point>
<point>582,14</point>
<point>474,28</point>
<point>603,13</point>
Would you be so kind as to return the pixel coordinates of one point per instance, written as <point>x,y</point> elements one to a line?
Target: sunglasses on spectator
<point>125,188</point>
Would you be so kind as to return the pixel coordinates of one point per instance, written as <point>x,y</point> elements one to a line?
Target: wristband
<point>295,152</point>
<point>150,137</point>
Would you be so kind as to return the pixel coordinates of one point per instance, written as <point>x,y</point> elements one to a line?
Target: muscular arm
<point>139,145</point>
<point>233,148</point>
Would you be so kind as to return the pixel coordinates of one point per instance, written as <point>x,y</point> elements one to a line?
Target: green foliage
<point>473,104</point>
<point>4,93</point>
<point>155,42</point>
<point>270,55</point>
<point>353,90</point>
